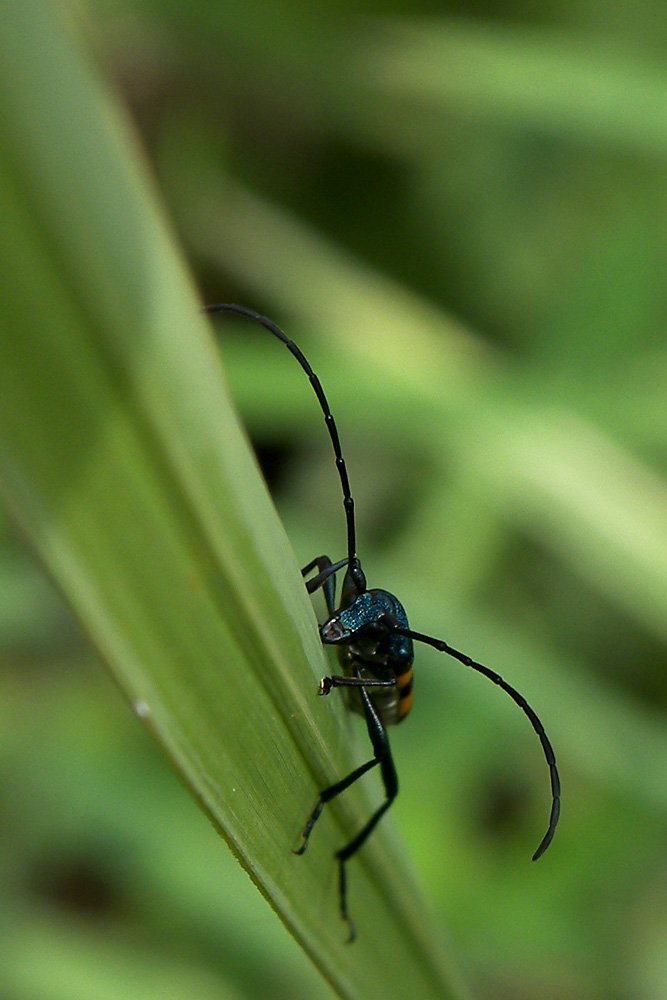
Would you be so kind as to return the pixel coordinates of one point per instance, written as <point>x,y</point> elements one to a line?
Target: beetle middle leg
<point>382,756</point>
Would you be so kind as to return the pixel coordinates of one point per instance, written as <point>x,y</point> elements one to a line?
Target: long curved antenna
<point>354,566</point>
<point>525,708</point>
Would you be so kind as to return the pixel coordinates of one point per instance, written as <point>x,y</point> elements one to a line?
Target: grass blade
<point>123,462</point>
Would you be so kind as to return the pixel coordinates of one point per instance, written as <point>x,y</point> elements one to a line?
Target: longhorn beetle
<point>374,641</point>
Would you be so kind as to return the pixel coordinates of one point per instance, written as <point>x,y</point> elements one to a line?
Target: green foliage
<point>463,226</point>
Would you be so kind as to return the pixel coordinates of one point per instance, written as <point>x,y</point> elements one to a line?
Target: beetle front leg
<point>326,578</point>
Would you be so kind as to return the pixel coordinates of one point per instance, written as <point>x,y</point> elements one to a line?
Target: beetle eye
<point>374,630</point>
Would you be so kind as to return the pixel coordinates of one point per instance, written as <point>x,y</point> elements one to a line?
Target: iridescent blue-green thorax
<point>369,646</point>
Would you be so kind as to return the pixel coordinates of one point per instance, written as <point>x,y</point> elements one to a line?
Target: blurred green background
<point>459,212</point>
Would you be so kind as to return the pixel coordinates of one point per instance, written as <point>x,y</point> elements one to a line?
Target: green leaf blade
<point>123,462</point>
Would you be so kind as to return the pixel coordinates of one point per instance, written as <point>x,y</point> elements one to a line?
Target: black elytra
<point>375,650</point>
